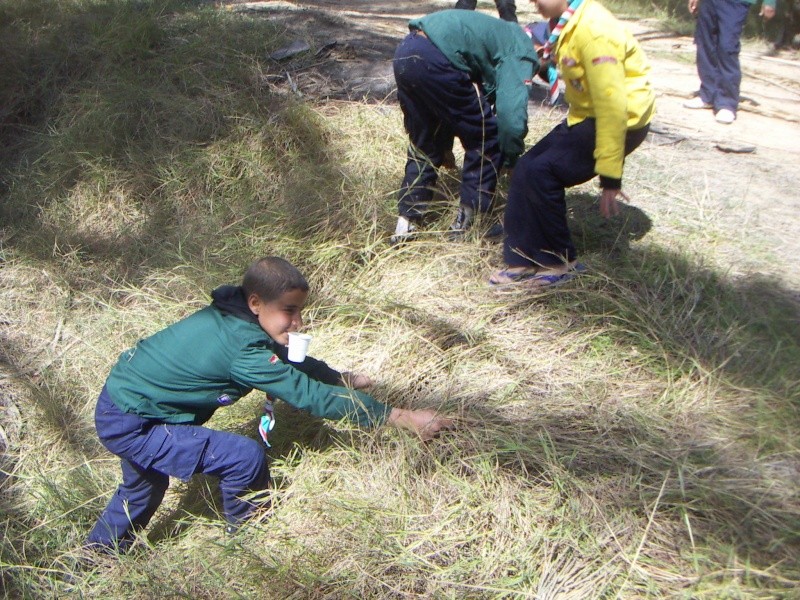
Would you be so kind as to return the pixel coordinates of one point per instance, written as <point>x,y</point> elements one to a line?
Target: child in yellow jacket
<point>611,104</point>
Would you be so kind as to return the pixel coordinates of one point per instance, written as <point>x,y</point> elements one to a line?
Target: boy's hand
<point>426,423</point>
<point>767,12</point>
<point>608,202</point>
<point>357,381</point>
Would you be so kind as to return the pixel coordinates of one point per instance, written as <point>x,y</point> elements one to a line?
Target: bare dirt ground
<point>750,168</point>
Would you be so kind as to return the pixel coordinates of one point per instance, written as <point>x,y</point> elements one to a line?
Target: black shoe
<point>495,231</point>
<point>461,225</point>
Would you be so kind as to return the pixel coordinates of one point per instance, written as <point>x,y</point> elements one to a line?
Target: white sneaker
<point>406,229</point>
<point>725,116</point>
<point>697,102</point>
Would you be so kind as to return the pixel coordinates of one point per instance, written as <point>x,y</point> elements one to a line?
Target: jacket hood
<point>230,299</point>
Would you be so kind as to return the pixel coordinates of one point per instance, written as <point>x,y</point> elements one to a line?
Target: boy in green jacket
<point>151,410</point>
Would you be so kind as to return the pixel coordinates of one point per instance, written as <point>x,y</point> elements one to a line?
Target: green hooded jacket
<point>212,358</point>
<point>499,56</point>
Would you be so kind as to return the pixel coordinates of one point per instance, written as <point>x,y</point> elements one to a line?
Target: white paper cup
<point>298,346</point>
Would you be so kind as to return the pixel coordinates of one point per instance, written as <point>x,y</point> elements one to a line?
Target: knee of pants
<point>252,470</point>
<point>533,175</point>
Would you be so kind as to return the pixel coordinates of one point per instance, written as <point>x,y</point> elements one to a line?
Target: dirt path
<point>756,190</point>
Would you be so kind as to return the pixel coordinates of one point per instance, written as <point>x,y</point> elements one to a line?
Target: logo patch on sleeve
<point>273,359</point>
<point>225,400</point>
<point>604,59</point>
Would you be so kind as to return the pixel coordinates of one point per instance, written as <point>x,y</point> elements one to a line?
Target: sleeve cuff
<point>369,412</point>
<point>610,183</point>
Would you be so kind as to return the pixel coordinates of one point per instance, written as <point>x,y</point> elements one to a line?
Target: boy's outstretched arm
<point>426,423</point>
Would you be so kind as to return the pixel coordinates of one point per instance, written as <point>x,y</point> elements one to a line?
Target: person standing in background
<point>783,29</point>
<point>505,8</point>
<point>718,39</point>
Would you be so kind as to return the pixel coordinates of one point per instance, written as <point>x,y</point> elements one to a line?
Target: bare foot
<point>512,275</point>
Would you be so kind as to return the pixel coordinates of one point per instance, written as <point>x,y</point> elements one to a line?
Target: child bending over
<point>611,104</point>
<point>152,408</point>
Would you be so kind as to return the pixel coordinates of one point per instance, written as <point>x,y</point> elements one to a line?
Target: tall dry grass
<point>630,436</point>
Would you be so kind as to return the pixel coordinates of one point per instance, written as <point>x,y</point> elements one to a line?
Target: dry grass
<point>631,436</point>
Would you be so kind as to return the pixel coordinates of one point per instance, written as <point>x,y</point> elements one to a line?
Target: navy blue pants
<point>718,39</point>
<point>152,451</point>
<point>536,213</point>
<point>505,8</point>
<point>438,103</point>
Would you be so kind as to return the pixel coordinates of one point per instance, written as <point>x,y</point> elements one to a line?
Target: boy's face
<point>280,316</point>
<point>551,9</point>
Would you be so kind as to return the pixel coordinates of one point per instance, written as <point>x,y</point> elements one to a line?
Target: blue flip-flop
<point>540,280</point>
<point>514,278</point>
<point>547,281</point>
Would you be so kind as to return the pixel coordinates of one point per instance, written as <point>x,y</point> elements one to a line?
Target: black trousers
<point>440,102</point>
<point>536,213</point>
<point>505,8</point>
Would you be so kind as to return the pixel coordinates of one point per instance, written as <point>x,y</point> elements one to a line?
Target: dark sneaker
<point>449,161</point>
<point>462,223</point>
<point>494,232</point>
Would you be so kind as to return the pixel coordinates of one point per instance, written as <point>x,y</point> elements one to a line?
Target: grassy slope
<point>632,436</point>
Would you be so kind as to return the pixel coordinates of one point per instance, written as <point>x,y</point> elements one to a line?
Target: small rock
<point>736,148</point>
<point>293,49</point>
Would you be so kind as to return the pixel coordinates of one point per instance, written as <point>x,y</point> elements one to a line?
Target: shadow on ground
<point>746,330</point>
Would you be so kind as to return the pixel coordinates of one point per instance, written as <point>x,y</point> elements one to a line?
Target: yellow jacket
<point>606,77</point>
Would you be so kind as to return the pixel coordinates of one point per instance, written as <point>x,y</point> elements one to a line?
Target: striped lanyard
<point>267,421</point>
<point>552,72</point>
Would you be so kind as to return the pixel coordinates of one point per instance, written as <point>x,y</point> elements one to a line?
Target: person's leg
<point>475,125</point>
<point>241,465</point>
<point>732,15</point>
<point>776,30</point>
<point>421,124</point>
<point>507,10</point>
<point>152,451</point>
<point>466,4</point>
<point>238,461</point>
<point>443,140</point>
<point>445,95</point>
<point>537,234</point>
<point>706,37</point>
<point>130,508</point>
<point>634,138</point>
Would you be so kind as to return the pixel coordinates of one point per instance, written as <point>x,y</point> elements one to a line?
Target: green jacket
<point>499,56</point>
<point>184,373</point>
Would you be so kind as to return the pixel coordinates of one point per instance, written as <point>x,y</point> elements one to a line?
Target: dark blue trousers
<point>438,103</point>
<point>151,452</point>
<point>718,39</point>
<point>505,8</point>
<point>536,213</point>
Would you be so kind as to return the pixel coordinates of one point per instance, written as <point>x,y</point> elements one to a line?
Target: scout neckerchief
<point>267,421</point>
<point>552,72</point>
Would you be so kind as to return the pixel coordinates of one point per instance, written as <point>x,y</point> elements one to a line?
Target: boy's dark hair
<point>271,277</point>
